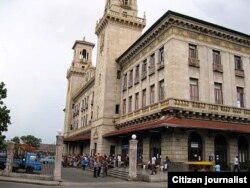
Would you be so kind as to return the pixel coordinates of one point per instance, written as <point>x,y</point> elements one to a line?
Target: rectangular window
<point>136,101</point>
<point>193,51</point>
<point>161,90</point>
<point>194,90</point>
<point>117,109</point>
<point>130,104</point>
<point>130,82</point>
<point>137,68</point>
<point>216,58</point>
<point>124,106</point>
<point>152,64</point>
<point>86,119</point>
<point>238,63</point>
<point>218,95</point>
<point>125,82</point>
<point>152,94</point>
<point>240,97</point>
<point>144,99</point>
<point>118,74</point>
<point>161,55</point>
<point>144,69</point>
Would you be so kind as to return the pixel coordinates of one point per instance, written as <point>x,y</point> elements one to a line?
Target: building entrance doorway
<point>220,151</point>
<point>194,147</point>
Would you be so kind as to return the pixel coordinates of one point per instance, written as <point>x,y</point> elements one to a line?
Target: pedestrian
<point>105,168</point>
<point>95,168</point>
<point>99,167</point>
<point>119,160</point>
<point>153,163</point>
<point>166,164</point>
<point>217,167</point>
<point>84,163</point>
<point>236,164</point>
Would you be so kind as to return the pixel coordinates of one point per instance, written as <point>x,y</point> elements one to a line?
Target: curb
<point>29,181</point>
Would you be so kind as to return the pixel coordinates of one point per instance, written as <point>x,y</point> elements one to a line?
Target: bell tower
<point>117,30</point>
<point>82,61</point>
<point>126,6</point>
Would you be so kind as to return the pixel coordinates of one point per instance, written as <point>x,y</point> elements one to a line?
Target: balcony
<point>160,65</point>
<point>136,79</point>
<point>207,109</point>
<point>239,73</point>
<point>151,70</point>
<point>194,62</point>
<point>217,67</point>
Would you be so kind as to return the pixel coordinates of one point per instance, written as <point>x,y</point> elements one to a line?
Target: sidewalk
<point>30,181</point>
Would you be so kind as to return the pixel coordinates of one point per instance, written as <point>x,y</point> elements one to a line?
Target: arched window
<point>194,147</point>
<point>84,55</point>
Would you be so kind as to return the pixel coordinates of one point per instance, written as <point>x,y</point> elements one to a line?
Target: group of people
<point>153,163</point>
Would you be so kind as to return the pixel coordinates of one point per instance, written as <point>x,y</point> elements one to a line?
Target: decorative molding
<point>181,25</point>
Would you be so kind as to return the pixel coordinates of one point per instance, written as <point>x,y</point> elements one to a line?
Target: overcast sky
<point>36,37</point>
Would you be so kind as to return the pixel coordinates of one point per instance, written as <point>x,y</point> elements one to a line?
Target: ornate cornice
<point>112,16</point>
<point>191,27</point>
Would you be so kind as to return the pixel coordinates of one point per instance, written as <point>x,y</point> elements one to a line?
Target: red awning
<point>80,137</point>
<point>185,123</point>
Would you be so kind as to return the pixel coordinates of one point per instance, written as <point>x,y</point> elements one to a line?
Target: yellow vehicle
<point>200,166</point>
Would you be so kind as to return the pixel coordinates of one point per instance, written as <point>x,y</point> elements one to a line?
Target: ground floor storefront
<point>179,144</point>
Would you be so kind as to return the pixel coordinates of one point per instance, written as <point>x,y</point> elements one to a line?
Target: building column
<point>58,157</point>
<point>9,159</point>
<point>133,158</point>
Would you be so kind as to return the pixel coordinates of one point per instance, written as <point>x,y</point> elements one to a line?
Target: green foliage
<point>4,114</point>
<point>31,140</point>
<point>16,140</point>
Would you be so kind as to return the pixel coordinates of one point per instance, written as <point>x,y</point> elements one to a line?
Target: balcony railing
<point>160,65</point>
<point>186,105</point>
<point>239,73</point>
<point>194,62</point>
<point>217,67</point>
<point>79,130</point>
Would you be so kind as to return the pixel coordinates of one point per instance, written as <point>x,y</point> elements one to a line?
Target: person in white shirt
<point>236,164</point>
<point>153,163</point>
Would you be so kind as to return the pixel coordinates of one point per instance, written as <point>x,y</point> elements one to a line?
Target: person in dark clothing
<point>95,169</point>
<point>105,168</point>
<point>99,167</point>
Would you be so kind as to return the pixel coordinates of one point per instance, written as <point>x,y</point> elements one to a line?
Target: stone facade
<point>182,87</point>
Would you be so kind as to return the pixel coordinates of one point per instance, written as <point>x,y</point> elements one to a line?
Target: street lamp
<point>59,132</point>
<point>133,136</point>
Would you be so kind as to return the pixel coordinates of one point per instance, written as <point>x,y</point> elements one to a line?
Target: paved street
<point>74,178</point>
<point>89,185</point>
<point>80,176</point>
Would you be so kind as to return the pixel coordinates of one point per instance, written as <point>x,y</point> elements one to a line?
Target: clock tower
<point>118,29</point>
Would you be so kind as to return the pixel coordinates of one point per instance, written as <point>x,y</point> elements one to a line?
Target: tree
<point>16,140</point>
<point>4,114</point>
<point>31,140</point>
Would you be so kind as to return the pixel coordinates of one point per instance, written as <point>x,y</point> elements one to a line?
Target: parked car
<point>48,159</point>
